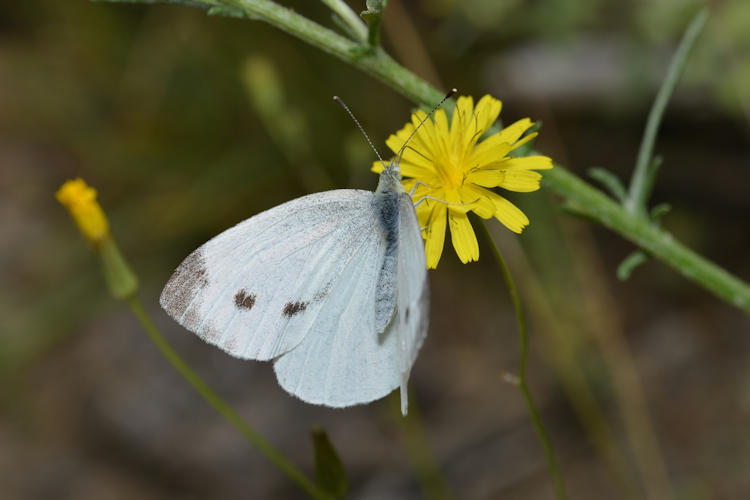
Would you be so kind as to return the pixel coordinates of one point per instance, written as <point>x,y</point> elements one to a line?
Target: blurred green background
<point>187,124</point>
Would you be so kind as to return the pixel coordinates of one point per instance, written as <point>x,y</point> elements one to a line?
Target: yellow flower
<point>454,166</point>
<point>80,200</point>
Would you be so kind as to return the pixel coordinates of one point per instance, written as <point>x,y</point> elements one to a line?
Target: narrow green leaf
<point>639,183</point>
<point>627,266</point>
<point>373,17</point>
<point>659,211</point>
<point>653,170</point>
<point>329,469</point>
<point>610,181</point>
<point>343,26</point>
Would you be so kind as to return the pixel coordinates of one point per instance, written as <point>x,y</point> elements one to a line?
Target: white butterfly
<point>332,287</point>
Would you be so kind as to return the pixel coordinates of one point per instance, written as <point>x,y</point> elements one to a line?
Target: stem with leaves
<point>580,196</point>
<point>645,168</point>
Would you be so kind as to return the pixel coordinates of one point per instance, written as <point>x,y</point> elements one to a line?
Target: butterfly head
<point>390,178</point>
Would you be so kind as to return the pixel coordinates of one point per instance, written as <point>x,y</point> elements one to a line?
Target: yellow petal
<point>497,146</point>
<point>462,118</point>
<point>506,212</point>
<point>425,137</point>
<point>522,181</point>
<point>526,163</point>
<point>511,133</point>
<point>395,141</point>
<point>435,235</point>
<point>486,113</point>
<point>416,159</point>
<point>80,200</point>
<point>510,215</point>
<point>416,142</point>
<point>441,123</point>
<point>524,140</point>
<point>463,237</point>
<point>487,177</point>
<point>488,153</point>
<point>483,207</point>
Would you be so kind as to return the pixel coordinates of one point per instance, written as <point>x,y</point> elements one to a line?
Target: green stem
<point>222,407</point>
<point>586,198</point>
<point>639,185</point>
<point>536,419</point>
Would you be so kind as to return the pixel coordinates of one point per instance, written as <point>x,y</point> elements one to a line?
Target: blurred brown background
<point>188,124</point>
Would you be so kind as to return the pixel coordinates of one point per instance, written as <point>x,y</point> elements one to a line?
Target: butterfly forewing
<point>256,289</point>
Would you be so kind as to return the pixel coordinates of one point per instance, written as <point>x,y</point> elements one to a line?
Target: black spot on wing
<point>243,300</point>
<point>406,314</point>
<point>292,308</point>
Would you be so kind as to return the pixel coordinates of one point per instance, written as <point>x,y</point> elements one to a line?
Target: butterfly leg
<point>414,188</point>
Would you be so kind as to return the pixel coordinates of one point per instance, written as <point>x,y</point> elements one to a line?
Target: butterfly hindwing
<point>413,292</point>
<point>345,360</point>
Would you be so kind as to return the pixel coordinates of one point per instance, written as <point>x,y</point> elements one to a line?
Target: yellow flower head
<point>80,200</point>
<point>454,166</point>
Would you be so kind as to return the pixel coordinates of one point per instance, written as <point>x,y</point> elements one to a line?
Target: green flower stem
<point>587,199</point>
<point>640,186</point>
<point>226,411</point>
<point>536,419</point>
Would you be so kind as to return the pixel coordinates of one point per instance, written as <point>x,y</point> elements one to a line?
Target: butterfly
<point>331,287</point>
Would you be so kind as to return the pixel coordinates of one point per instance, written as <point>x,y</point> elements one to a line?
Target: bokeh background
<point>188,124</point>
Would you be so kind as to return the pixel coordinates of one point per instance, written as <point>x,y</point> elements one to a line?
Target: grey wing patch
<point>185,285</point>
<point>387,206</point>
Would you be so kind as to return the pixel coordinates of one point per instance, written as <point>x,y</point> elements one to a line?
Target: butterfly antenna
<point>403,147</point>
<point>338,100</point>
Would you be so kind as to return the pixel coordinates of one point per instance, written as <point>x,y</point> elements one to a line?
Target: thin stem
<point>536,419</point>
<point>358,27</point>
<point>222,407</point>
<point>639,189</point>
<point>587,199</point>
<point>604,325</point>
